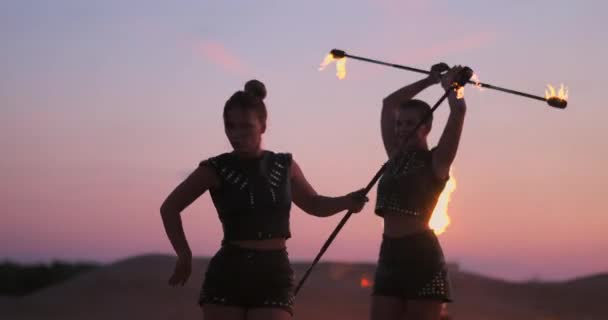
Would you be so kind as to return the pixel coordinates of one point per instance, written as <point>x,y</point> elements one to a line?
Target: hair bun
<point>256,88</point>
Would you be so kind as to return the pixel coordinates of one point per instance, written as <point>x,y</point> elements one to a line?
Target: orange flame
<point>365,282</point>
<point>460,93</point>
<point>340,65</point>
<point>561,94</point>
<point>440,218</point>
<point>328,59</point>
<point>477,84</point>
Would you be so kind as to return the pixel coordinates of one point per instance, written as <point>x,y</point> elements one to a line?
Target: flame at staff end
<point>562,93</point>
<point>440,218</point>
<point>340,65</point>
<point>557,99</point>
<point>328,59</point>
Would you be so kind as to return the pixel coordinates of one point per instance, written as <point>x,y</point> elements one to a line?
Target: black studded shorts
<point>249,279</point>
<point>413,268</point>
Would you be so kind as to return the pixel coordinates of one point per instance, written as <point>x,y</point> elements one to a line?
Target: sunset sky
<point>106,106</point>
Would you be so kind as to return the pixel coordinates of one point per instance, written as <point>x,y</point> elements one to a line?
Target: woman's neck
<point>416,145</point>
<point>250,155</point>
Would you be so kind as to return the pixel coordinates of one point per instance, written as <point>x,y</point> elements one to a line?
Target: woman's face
<point>405,122</point>
<point>244,130</point>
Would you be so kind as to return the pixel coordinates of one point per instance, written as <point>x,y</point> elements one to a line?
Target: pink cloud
<point>219,55</point>
<point>472,35</point>
<point>455,45</point>
<point>424,57</point>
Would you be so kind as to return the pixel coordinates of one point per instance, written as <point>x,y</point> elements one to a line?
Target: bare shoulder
<point>205,177</point>
<point>200,180</point>
<point>294,170</point>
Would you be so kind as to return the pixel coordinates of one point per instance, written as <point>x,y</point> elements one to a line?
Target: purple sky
<point>104,108</point>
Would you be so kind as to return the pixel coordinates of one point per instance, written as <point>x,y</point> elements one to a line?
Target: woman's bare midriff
<point>267,244</point>
<point>398,225</point>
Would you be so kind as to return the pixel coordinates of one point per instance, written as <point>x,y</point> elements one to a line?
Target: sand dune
<point>5,301</point>
<point>136,288</point>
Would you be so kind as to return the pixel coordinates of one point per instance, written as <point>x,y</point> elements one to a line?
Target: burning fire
<point>365,282</point>
<point>561,94</point>
<point>460,93</point>
<point>340,65</point>
<point>477,84</point>
<point>440,218</point>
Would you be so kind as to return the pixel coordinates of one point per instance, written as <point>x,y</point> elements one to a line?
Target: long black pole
<point>366,190</point>
<point>554,101</point>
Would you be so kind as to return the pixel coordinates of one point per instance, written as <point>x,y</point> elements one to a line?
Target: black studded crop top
<point>409,186</point>
<point>253,199</point>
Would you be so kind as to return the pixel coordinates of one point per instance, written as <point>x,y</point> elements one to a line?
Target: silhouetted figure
<point>411,280</point>
<point>252,189</point>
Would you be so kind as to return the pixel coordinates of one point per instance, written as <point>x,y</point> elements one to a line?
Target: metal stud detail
<point>436,287</point>
<point>394,206</point>
<point>274,197</point>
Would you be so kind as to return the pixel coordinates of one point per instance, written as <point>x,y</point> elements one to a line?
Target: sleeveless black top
<point>409,186</point>
<point>253,199</point>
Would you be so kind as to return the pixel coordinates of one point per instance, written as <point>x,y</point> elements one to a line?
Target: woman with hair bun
<point>252,189</point>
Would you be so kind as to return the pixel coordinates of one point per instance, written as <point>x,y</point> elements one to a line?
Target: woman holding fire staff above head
<point>250,277</point>
<point>411,280</point>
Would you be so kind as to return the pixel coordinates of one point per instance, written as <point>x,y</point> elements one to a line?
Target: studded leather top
<point>409,186</point>
<point>253,199</point>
